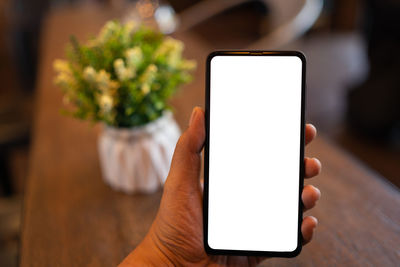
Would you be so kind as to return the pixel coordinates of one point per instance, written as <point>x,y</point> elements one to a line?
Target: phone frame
<point>207,248</point>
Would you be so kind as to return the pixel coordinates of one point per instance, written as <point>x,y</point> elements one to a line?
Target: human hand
<point>176,235</point>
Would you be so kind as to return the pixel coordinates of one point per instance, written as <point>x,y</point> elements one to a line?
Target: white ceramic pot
<point>138,159</point>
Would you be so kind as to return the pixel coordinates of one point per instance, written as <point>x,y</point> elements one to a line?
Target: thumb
<point>185,165</point>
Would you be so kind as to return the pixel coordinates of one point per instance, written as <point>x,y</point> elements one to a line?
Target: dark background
<point>353,83</point>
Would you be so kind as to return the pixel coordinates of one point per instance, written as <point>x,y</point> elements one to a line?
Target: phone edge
<point>283,254</point>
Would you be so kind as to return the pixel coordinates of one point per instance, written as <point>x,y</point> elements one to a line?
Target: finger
<point>310,196</point>
<point>186,160</point>
<point>307,228</point>
<point>311,133</point>
<point>312,167</point>
<point>194,136</point>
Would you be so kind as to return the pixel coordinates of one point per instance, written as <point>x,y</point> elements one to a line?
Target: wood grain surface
<point>71,218</point>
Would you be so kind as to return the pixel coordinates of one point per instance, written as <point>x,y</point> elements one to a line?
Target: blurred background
<point>353,72</point>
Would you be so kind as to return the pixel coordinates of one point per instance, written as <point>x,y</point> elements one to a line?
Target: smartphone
<point>254,153</point>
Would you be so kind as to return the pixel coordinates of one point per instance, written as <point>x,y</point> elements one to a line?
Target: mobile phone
<point>254,153</point>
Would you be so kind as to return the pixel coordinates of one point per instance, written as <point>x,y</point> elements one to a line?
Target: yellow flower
<point>102,80</point>
<point>152,68</point>
<point>145,88</point>
<point>128,28</point>
<point>122,72</point>
<point>64,80</point>
<point>104,83</point>
<point>167,46</point>
<point>107,31</point>
<point>64,77</point>
<point>89,74</point>
<point>149,74</point>
<point>171,49</point>
<point>147,78</point>
<point>61,66</point>
<point>134,57</point>
<point>106,103</point>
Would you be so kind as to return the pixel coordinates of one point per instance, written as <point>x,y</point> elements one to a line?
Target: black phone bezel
<point>207,248</point>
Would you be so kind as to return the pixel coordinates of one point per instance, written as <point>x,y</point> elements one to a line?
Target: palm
<point>182,231</point>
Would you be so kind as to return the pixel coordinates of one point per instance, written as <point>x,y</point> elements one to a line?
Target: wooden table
<point>71,218</point>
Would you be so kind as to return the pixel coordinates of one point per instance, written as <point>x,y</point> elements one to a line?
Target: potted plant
<point>124,78</point>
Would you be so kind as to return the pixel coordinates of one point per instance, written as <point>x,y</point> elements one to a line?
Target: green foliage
<point>124,76</point>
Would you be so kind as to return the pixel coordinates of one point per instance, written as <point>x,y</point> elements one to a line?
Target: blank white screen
<point>254,150</point>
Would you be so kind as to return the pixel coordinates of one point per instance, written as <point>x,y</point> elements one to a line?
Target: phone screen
<point>254,152</point>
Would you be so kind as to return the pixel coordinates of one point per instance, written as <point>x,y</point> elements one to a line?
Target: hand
<point>176,235</point>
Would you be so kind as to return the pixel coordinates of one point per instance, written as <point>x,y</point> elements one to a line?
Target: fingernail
<point>319,192</point>
<point>315,129</point>
<point>319,163</point>
<point>192,116</point>
<point>316,221</point>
